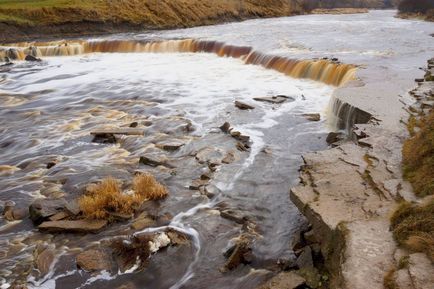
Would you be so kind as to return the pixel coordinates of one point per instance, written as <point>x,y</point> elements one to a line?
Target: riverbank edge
<point>348,194</point>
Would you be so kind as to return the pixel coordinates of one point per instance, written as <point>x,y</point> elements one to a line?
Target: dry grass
<point>106,198</point>
<point>418,156</point>
<point>413,227</point>
<point>389,281</point>
<point>147,187</point>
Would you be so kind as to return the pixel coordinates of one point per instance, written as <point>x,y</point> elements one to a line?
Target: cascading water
<point>325,71</point>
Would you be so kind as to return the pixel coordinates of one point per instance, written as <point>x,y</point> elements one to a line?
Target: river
<point>49,108</point>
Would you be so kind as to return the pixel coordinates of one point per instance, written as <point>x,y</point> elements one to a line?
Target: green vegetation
<point>418,155</point>
<point>413,227</point>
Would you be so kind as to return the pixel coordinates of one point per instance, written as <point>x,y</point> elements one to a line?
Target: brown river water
<point>181,85</point>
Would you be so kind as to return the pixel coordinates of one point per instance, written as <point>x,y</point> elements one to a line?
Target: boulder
<point>94,260</point>
<point>226,127</point>
<point>243,106</point>
<point>41,209</point>
<point>78,226</point>
<point>284,280</point>
<point>333,137</point>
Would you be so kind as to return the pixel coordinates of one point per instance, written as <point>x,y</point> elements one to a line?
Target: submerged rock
<point>44,261</point>
<point>94,260</point>
<point>274,99</point>
<point>78,226</point>
<point>284,280</point>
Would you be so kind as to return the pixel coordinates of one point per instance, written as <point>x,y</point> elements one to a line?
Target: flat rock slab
<point>79,226</point>
<point>284,280</point>
<point>274,99</point>
<point>125,131</point>
<point>171,145</point>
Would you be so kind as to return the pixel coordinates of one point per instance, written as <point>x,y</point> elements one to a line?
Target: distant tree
<point>416,6</point>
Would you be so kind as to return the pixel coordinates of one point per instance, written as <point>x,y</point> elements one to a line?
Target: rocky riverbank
<point>348,194</point>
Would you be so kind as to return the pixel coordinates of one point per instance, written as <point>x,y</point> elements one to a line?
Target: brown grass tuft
<point>147,187</point>
<point>413,227</point>
<point>418,156</point>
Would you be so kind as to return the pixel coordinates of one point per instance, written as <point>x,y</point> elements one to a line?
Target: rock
<point>274,99</point>
<point>171,145</point>
<point>238,254</point>
<point>79,226</point>
<point>159,241</point>
<point>104,138</point>
<point>421,271</point>
<point>72,207</point>
<point>124,131</point>
<point>333,137</point>
<point>94,260</point>
<point>235,216</point>
<point>177,238</point>
<point>242,147</point>
<point>419,80</point>
<point>312,116</point>
<point>155,160</point>
<point>164,220</point>
<point>243,106</point>
<point>284,280</point>
<point>59,216</point>
<point>143,222</point>
<point>44,261</point>
<point>310,237</point>
<point>305,259</point>
<point>197,184</point>
<point>287,261</point>
<point>41,209</point>
<point>19,213</point>
<point>51,164</point>
<point>209,155</point>
<point>225,127</point>
<point>32,58</point>
<point>134,124</point>
<point>229,158</point>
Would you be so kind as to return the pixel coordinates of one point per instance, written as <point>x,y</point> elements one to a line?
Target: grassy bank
<point>24,19</point>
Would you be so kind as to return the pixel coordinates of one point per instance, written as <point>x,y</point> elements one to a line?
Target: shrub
<point>415,6</point>
<point>147,187</point>
<point>107,198</point>
<point>413,227</point>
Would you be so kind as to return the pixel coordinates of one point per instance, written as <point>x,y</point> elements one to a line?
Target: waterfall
<point>326,71</point>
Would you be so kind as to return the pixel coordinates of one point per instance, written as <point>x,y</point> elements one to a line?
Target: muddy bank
<point>23,22</point>
<point>348,194</point>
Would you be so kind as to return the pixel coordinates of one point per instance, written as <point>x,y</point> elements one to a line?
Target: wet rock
<point>129,285</point>
<point>78,226</point>
<point>143,221</point>
<point>164,220</point>
<point>242,147</point>
<point>197,184</point>
<point>243,106</point>
<point>94,260</point>
<point>209,155</point>
<point>305,260</point>
<point>104,138</point>
<point>129,251</point>
<point>240,253</point>
<point>171,145</point>
<point>44,261</point>
<point>226,127</point>
<point>233,215</point>
<point>284,280</point>
<point>134,124</point>
<point>287,261</point>
<point>177,238</point>
<point>19,213</point>
<point>18,285</point>
<point>8,210</point>
<point>120,217</point>
<point>229,158</point>
<point>419,80</point>
<point>59,216</point>
<point>51,164</point>
<point>274,99</point>
<point>122,131</point>
<point>310,237</point>
<point>72,207</point>
<point>155,160</point>
<point>41,209</point>
<point>32,58</point>
<point>333,137</point>
<point>312,116</point>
